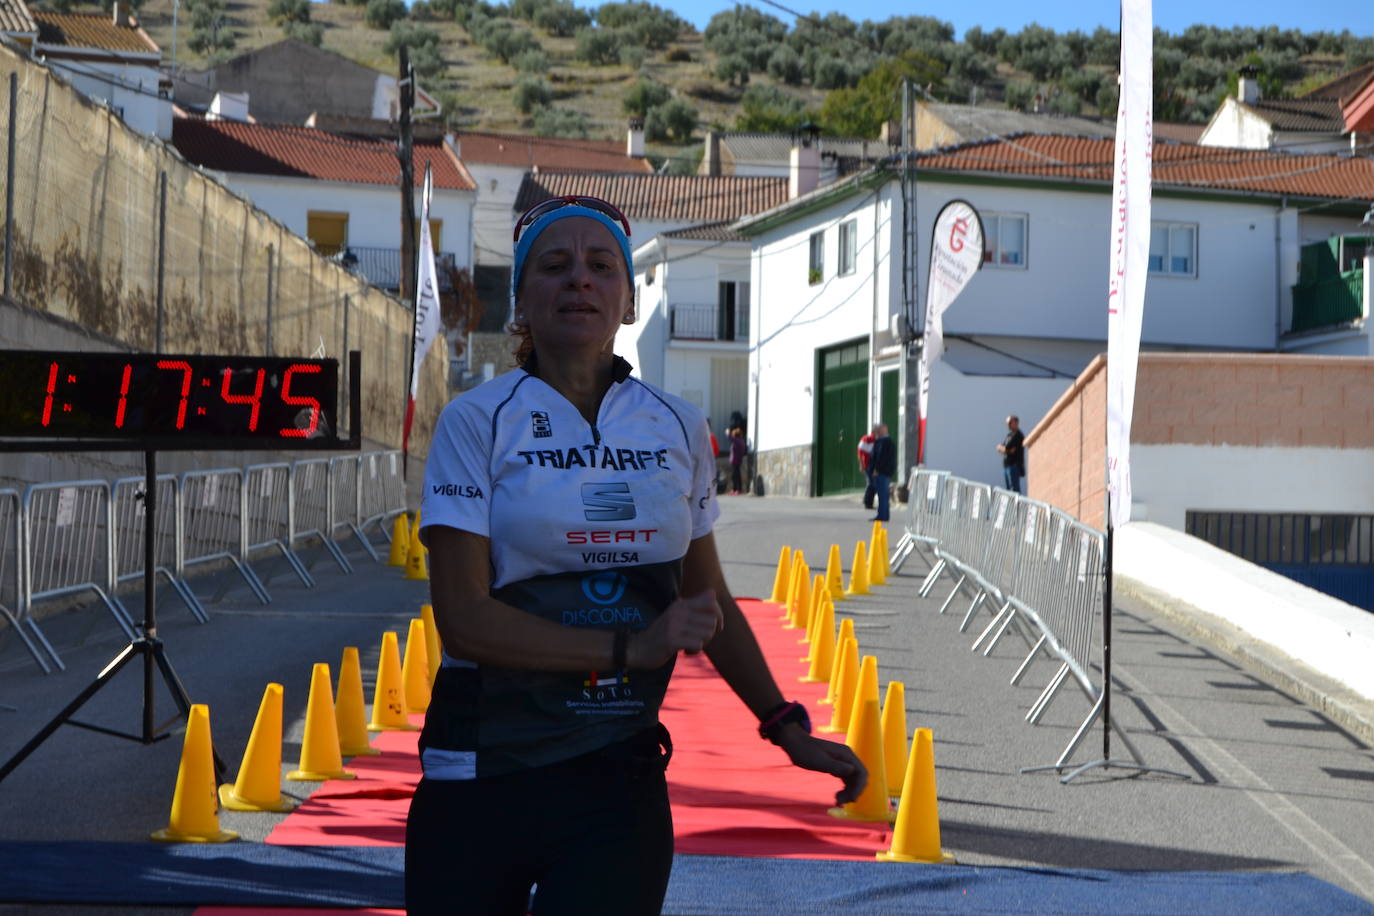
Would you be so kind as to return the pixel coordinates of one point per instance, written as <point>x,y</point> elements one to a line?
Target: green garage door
<point>842,416</point>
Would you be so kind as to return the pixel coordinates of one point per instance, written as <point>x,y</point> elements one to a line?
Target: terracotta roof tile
<point>1323,115</point>
<point>1343,86</point>
<point>91,30</point>
<point>549,153</point>
<point>1175,165</point>
<point>287,149</point>
<point>666,198</point>
<point>707,232</point>
<point>15,17</point>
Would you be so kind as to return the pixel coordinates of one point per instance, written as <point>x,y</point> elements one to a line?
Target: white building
<point>339,191</point>
<point>1311,124</point>
<point>105,56</point>
<point>829,311</point>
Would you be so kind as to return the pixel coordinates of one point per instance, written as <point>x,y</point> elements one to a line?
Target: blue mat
<point>254,874</point>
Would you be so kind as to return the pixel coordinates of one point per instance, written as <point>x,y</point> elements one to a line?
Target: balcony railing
<point>382,266</point>
<point>1329,301</point>
<point>707,322</point>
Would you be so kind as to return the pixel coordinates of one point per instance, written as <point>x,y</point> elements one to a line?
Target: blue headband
<point>527,237</point>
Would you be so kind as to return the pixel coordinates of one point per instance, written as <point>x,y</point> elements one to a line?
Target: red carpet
<point>733,794</point>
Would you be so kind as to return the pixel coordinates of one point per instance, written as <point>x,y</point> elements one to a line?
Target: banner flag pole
<point>426,318</point>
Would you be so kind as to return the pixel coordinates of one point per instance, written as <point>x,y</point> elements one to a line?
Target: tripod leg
<point>181,698</point>
<point>101,679</point>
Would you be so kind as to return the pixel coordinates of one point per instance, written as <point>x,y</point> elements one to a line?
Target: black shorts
<point>594,833</point>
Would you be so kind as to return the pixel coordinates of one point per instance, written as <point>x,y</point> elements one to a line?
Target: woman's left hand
<point>812,753</point>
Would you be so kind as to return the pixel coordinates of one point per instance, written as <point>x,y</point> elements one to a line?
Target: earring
<point>629,317</point>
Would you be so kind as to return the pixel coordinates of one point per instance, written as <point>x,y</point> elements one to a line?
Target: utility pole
<point>405,153</point>
<point>911,311</point>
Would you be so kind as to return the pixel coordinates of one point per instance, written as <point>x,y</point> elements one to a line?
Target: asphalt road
<point>1274,785</point>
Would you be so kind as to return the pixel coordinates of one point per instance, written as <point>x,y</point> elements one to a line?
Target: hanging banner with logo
<point>1130,241</point>
<point>426,308</point>
<point>956,253</point>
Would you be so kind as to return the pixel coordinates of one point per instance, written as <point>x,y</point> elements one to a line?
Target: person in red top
<point>866,464</point>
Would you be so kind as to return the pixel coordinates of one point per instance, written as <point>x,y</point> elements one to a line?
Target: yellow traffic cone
<point>823,645</point>
<point>834,575</point>
<point>258,787</point>
<point>875,557</point>
<point>846,632</point>
<point>417,566</point>
<point>432,643</point>
<point>798,561</point>
<point>867,688</point>
<point>819,595</point>
<point>894,733</point>
<point>917,834</point>
<point>783,577</point>
<point>400,541</point>
<point>866,741</point>
<point>349,714</point>
<point>807,612</point>
<point>799,581</point>
<point>885,552</point>
<point>858,574</point>
<point>415,668</point>
<point>194,816</point>
<point>320,755</point>
<point>389,711</point>
<point>873,532</point>
<point>799,611</point>
<point>843,706</point>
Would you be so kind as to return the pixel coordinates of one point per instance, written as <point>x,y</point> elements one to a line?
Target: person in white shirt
<point>568,510</point>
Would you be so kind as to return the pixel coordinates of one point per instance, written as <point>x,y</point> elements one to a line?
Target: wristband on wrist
<point>620,644</point>
<point>789,712</point>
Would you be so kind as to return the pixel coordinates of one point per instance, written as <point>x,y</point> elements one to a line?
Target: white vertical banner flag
<point>956,253</point>
<point>426,290</point>
<point>1130,245</point>
<point>426,307</point>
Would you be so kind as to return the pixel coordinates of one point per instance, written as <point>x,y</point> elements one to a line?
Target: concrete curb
<point>1336,701</point>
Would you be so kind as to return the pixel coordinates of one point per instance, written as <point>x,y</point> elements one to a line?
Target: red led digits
<point>52,387</point>
<point>255,398</point>
<point>300,401</point>
<point>123,396</point>
<point>180,365</point>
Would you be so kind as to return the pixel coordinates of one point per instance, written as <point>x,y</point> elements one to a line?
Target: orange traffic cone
<point>834,575</point>
<point>798,560</point>
<point>894,733</point>
<point>875,557</point>
<point>349,712</point>
<point>846,632</point>
<point>194,816</point>
<point>783,577</point>
<point>320,755</point>
<point>848,687</point>
<point>432,643</point>
<point>858,574</point>
<point>415,668</point>
<point>866,741</point>
<point>258,787</point>
<point>823,645</point>
<point>389,711</point>
<point>400,541</point>
<point>917,835</point>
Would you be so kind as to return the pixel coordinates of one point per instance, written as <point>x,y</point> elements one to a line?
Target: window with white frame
<point>849,237</point>
<point>1173,249</point>
<point>816,268</point>
<point>1004,239</point>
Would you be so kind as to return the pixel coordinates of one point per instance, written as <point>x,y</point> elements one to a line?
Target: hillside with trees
<point>553,67</point>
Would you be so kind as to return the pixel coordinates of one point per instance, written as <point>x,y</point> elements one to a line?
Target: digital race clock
<point>171,401</point>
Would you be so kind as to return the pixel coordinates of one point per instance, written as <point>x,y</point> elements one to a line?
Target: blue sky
<point>1171,15</point>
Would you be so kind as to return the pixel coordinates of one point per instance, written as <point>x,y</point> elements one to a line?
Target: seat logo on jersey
<point>539,423</point>
<point>607,502</point>
<point>604,587</point>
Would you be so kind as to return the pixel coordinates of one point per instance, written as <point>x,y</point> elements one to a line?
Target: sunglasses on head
<point>570,200</point>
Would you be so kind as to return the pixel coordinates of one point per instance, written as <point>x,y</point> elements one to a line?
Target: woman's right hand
<point>686,625</point>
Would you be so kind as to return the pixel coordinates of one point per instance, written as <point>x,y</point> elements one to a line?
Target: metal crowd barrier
<point>1041,567</point>
<point>128,554</point>
<point>65,538</point>
<point>68,548</point>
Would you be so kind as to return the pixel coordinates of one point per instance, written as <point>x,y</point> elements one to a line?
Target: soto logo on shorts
<point>604,587</point>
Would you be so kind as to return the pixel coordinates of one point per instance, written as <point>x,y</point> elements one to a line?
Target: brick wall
<point>1231,399</point>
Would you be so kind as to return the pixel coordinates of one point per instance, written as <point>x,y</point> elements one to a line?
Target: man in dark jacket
<point>1013,453</point>
<point>883,462</point>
